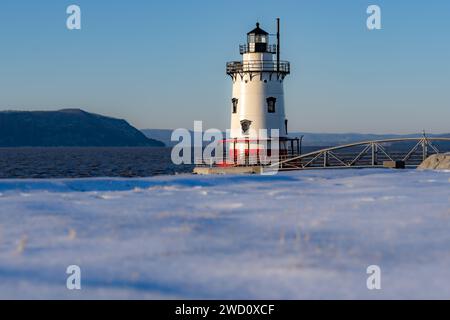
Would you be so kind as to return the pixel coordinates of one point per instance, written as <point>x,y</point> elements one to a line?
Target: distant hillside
<point>309,139</point>
<point>165,135</point>
<point>161,135</point>
<point>68,127</point>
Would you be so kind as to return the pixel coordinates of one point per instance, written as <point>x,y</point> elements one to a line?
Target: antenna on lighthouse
<point>278,45</point>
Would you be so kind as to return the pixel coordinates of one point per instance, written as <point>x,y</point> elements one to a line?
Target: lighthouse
<point>257,100</point>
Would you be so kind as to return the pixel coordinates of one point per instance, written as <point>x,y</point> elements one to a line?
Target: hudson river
<point>86,162</point>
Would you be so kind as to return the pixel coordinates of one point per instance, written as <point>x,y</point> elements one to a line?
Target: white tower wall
<point>251,88</point>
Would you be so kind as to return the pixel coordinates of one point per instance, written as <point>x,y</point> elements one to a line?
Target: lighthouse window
<point>261,39</point>
<point>235,104</point>
<point>271,104</point>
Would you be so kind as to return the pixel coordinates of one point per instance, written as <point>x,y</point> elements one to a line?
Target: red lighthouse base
<point>256,152</point>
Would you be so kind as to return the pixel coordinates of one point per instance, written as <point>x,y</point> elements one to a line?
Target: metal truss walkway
<point>406,152</point>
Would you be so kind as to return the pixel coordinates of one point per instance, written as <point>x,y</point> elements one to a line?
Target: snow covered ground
<point>290,236</point>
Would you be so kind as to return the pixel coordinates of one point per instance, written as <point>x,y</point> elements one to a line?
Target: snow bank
<point>436,162</point>
<point>292,236</point>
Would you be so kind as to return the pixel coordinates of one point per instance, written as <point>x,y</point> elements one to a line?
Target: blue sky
<point>161,64</point>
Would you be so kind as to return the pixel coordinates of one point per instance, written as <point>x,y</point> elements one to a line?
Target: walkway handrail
<point>357,144</point>
<point>234,67</point>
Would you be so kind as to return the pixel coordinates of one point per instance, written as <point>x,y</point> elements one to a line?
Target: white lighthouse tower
<point>258,97</point>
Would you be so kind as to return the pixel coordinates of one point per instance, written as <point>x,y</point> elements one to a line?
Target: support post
<point>247,154</point>
<point>257,151</point>
<point>301,145</point>
<point>234,152</point>
<point>278,46</point>
<point>224,152</point>
<point>424,149</point>
<point>374,154</point>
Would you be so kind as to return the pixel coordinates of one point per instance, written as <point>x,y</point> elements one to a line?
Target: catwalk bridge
<point>394,153</point>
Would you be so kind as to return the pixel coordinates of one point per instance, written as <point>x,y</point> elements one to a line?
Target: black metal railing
<point>258,66</point>
<point>247,48</point>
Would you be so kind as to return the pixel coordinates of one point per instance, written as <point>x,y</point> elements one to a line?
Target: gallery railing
<point>246,48</point>
<point>235,67</point>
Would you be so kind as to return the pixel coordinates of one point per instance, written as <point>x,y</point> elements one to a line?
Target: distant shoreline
<point>69,128</point>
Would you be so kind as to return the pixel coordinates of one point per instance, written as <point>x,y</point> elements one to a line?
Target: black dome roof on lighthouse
<point>258,31</point>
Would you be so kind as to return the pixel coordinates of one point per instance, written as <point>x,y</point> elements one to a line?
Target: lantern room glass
<point>257,38</point>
